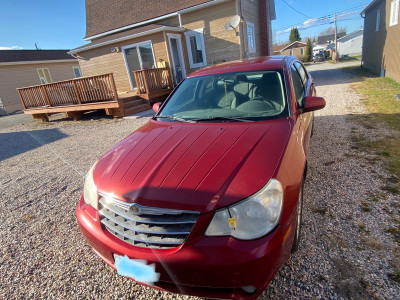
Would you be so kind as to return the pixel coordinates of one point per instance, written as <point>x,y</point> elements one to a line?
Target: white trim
<point>189,34</point>
<point>80,71</point>
<point>123,48</point>
<point>196,7</point>
<point>128,37</point>
<point>252,49</point>
<point>394,13</point>
<point>180,53</point>
<point>38,62</point>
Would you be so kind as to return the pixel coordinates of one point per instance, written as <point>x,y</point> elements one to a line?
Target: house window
<point>196,49</point>
<point>290,52</point>
<point>302,51</point>
<point>44,75</point>
<point>394,13</point>
<point>77,72</point>
<point>251,39</point>
<point>378,19</point>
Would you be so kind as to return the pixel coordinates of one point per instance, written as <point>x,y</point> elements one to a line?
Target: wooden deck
<point>72,97</point>
<point>153,83</point>
<point>76,96</point>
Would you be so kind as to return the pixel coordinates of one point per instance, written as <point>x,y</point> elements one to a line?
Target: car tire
<point>299,214</point>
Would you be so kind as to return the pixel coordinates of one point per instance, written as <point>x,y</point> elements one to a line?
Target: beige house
<point>181,35</point>
<point>297,49</point>
<point>23,68</point>
<point>381,44</point>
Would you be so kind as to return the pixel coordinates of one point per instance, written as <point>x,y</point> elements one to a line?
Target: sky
<point>55,24</point>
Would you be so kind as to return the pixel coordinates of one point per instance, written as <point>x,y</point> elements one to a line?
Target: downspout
<point>180,20</point>
<point>241,27</point>
<point>74,55</point>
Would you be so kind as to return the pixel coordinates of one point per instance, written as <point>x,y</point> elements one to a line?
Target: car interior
<point>247,94</point>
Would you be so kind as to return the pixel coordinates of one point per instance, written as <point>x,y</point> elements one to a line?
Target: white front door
<point>178,64</point>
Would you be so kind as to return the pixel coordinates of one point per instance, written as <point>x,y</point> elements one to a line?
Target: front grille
<point>151,227</point>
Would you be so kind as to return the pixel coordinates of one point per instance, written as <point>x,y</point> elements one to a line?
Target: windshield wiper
<point>221,119</point>
<point>175,119</point>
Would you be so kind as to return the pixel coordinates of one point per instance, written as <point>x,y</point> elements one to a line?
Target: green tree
<point>308,55</point>
<point>294,35</point>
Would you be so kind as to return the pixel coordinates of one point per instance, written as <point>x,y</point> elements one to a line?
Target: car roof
<point>252,64</point>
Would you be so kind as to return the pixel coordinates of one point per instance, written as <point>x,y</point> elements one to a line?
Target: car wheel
<point>296,240</point>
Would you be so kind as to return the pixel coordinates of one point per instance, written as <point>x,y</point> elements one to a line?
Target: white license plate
<point>138,269</point>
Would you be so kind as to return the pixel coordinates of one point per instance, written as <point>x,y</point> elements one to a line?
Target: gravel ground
<point>345,252</point>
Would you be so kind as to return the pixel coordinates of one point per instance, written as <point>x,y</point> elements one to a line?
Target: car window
<point>302,72</point>
<point>298,85</point>
<point>253,95</point>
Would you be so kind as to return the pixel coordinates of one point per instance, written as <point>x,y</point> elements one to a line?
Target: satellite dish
<point>233,23</point>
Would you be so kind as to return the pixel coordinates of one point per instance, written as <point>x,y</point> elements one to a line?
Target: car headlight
<point>251,218</point>
<point>90,189</point>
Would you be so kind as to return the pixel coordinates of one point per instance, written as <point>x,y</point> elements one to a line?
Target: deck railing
<point>77,91</point>
<point>153,81</point>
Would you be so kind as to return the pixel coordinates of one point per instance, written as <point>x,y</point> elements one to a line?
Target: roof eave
<point>128,37</point>
<point>292,44</point>
<point>32,62</point>
<point>371,5</point>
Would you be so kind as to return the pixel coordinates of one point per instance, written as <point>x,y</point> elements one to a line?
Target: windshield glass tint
<point>256,95</point>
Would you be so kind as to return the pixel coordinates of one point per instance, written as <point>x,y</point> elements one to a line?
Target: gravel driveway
<point>345,250</point>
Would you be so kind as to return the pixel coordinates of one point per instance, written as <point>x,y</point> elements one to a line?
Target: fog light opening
<point>249,289</point>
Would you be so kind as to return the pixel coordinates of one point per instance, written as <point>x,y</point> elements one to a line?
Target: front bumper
<point>202,266</point>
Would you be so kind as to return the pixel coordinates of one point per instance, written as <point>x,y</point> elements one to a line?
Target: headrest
<point>270,78</point>
<point>241,77</point>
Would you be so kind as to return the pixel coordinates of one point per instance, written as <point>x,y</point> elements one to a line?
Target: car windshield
<point>228,97</point>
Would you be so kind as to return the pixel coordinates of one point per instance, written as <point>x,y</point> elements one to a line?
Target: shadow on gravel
<point>331,77</point>
<point>15,143</point>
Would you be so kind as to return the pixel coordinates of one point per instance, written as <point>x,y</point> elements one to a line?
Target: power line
<point>296,9</point>
<point>325,17</point>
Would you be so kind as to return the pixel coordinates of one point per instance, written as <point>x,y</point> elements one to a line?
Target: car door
<point>303,119</point>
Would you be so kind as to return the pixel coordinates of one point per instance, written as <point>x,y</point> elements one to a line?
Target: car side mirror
<point>156,106</point>
<point>312,103</point>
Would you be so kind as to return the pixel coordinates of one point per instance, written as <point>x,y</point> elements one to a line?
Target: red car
<point>206,198</point>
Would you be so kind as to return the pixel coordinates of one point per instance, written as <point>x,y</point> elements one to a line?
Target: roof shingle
<point>33,55</point>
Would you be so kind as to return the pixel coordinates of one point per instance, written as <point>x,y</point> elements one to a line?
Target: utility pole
<point>336,50</point>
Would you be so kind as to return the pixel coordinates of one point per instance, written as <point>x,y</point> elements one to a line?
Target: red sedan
<point>206,198</point>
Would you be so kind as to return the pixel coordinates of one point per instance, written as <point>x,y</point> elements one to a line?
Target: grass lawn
<point>379,98</point>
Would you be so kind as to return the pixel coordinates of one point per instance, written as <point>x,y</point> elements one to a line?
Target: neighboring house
<point>297,49</point>
<point>327,42</point>
<point>23,68</point>
<point>183,35</point>
<point>351,44</point>
<point>381,43</point>
<point>276,49</point>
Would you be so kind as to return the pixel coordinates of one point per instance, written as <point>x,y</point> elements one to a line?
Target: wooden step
<point>130,98</point>
<point>135,109</point>
<point>135,102</point>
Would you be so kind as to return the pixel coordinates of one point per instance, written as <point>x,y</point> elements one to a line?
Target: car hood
<point>197,167</point>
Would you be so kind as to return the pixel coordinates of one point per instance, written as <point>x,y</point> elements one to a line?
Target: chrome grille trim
<point>152,228</point>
